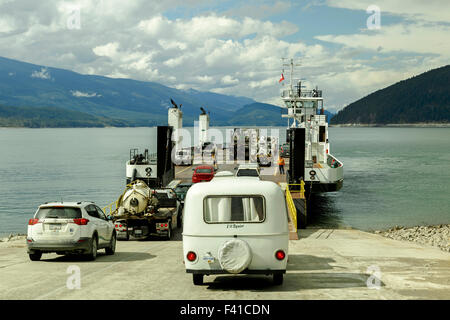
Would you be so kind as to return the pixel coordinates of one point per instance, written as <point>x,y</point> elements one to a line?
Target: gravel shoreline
<point>437,236</point>
<point>13,237</point>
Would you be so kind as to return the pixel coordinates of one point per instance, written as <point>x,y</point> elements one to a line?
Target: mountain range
<point>39,96</point>
<point>136,103</point>
<point>424,98</point>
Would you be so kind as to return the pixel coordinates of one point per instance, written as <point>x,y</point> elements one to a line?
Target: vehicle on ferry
<point>203,173</point>
<point>235,225</point>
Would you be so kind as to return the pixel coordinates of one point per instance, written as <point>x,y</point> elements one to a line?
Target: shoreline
<point>431,235</point>
<point>392,125</point>
<point>344,125</point>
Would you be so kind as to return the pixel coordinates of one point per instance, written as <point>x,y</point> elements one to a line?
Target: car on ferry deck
<point>203,173</point>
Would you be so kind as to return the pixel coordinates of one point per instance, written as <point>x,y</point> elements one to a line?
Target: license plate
<point>55,227</point>
<point>208,259</point>
<point>138,231</point>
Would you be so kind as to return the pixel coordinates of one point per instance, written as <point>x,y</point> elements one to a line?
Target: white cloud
<point>236,51</point>
<point>420,38</point>
<point>432,10</point>
<point>204,79</point>
<point>108,50</point>
<point>80,94</point>
<point>229,80</point>
<point>42,74</point>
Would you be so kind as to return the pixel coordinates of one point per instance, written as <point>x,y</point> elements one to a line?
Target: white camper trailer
<point>235,226</point>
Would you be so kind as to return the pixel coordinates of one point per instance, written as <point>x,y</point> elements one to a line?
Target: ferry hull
<point>318,187</point>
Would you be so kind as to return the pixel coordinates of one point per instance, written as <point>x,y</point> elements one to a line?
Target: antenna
<point>290,63</point>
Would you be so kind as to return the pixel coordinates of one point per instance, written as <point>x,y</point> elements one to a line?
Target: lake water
<point>393,176</point>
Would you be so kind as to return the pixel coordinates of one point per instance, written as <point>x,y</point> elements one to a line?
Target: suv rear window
<point>247,173</point>
<point>226,209</point>
<point>58,212</point>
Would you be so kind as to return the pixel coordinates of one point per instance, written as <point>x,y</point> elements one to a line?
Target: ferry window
<point>321,133</point>
<point>239,209</point>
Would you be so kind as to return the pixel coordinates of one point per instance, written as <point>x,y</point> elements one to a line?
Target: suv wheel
<point>92,253</point>
<point>169,231</point>
<point>112,246</point>
<point>35,256</point>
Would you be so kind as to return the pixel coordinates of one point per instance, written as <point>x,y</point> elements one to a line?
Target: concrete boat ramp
<point>323,264</point>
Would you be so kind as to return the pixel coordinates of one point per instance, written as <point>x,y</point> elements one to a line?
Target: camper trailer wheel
<point>278,279</point>
<point>198,279</point>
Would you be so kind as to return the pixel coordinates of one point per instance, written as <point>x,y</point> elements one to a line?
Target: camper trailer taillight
<point>191,256</point>
<point>280,255</point>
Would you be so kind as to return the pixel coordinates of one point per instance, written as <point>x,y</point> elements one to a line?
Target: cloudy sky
<point>233,47</point>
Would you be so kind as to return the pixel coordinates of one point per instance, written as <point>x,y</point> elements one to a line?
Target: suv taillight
<point>32,222</point>
<point>81,222</point>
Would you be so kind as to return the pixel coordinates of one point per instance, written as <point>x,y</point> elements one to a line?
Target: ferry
<point>307,135</point>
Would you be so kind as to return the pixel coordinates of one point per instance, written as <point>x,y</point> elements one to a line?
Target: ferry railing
<point>299,190</point>
<point>292,209</point>
<point>110,208</point>
<point>302,94</point>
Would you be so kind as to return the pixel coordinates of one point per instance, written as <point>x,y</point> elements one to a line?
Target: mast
<point>291,66</point>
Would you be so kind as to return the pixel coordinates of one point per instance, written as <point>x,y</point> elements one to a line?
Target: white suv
<point>70,227</point>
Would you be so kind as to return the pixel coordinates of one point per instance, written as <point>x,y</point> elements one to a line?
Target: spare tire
<point>235,256</point>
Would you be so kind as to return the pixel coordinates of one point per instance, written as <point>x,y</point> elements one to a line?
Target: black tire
<point>197,279</point>
<point>179,218</point>
<point>169,232</point>
<point>278,279</point>
<point>92,253</point>
<point>112,245</point>
<point>35,256</point>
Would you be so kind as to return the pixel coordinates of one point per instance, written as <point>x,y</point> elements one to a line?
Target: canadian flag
<point>282,78</point>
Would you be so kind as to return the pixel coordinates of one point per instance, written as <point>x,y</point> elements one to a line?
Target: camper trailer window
<point>226,209</point>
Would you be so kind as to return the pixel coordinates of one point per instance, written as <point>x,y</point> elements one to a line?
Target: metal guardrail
<point>290,200</point>
<point>292,209</point>
<point>108,210</point>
